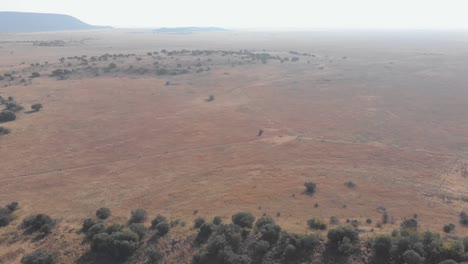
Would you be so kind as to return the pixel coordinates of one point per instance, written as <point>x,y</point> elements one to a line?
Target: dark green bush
<point>270,232</point>
<point>138,216</point>
<point>409,224</point>
<point>412,257</point>
<point>382,246</point>
<point>34,223</point>
<point>311,188</point>
<point>155,257</point>
<point>36,107</point>
<point>243,219</point>
<point>13,206</point>
<point>118,246</point>
<point>6,116</point>
<point>449,228</point>
<point>4,131</point>
<point>103,213</point>
<point>464,218</point>
<point>342,239</point>
<point>217,220</point>
<point>205,232</point>
<point>350,184</point>
<point>163,228</point>
<point>157,220</point>
<point>38,257</point>
<point>87,224</point>
<point>316,224</point>
<point>197,223</point>
<point>264,221</point>
<point>138,229</point>
<point>5,216</point>
<point>96,229</point>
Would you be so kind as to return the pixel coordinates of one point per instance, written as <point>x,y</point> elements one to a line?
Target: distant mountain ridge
<point>17,22</point>
<point>187,29</point>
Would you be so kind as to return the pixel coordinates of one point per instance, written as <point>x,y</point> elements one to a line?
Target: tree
<point>311,188</point>
<point>37,222</point>
<point>103,213</point>
<point>5,216</point>
<point>163,228</point>
<point>449,228</point>
<point>36,107</point>
<point>243,219</point>
<point>217,220</point>
<point>138,229</point>
<point>197,223</point>
<point>409,224</point>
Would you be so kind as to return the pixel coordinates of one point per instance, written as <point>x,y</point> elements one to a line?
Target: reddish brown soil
<point>392,121</point>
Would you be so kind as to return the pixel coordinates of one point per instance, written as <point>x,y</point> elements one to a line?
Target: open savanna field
<point>387,111</point>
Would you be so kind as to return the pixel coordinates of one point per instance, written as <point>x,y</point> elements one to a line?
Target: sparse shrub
<point>316,224</point>
<point>87,224</point>
<point>157,220</point>
<point>311,188</point>
<point>103,213</point>
<point>138,229</point>
<point>34,223</point>
<point>138,216</point>
<point>13,206</point>
<point>243,219</point>
<point>355,223</point>
<point>5,216</point>
<point>217,220</point>
<point>6,116</point>
<point>368,221</point>
<point>449,228</point>
<point>38,257</point>
<point>350,184</point>
<point>210,98</point>
<point>197,223</point>
<point>395,233</point>
<point>163,228</point>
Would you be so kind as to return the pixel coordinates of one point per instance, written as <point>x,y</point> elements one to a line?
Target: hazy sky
<point>361,14</point>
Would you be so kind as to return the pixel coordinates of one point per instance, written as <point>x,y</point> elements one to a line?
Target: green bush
<point>264,221</point>
<point>382,246</point>
<point>350,184</point>
<point>118,246</point>
<point>6,116</point>
<point>38,257</point>
<point>217,220</point>
<point>103,213</point>
<point>96,229</point>
<point>163,228</point>
<point>409,224</point>
<point>316,224</point>
<point>138,216</point>
<point>412,257</point>
<point>138,229</point>
<point>5,216</point>
<point>243,219</point>
<point>36,107</point>
<point>342,238</point>
<point>311,188</point>
<point>87,224</point>
<point>464,218</point>
<point>34,223</point>
<point>270,232</point>
<point>197,223</point>
<point>449,228</point>
<point>155,257</point>
<point>157,220</point>
<point>13,206</point>
<point>205,232</point>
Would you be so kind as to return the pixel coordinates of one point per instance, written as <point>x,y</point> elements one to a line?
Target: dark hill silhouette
<point>14,22</point>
